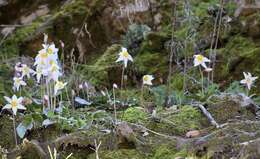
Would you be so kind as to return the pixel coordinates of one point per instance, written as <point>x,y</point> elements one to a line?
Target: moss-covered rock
<point>7,135</point>
<point>135,115</point>
<point>188,118</point>
<point>119,154</point>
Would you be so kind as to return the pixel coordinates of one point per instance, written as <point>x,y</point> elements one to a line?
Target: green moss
<point>151,63</point>
<point>120,154</point>
<point>177,82</point>
<point>164,152</point>
<point>188,118</point>
<point>75,7</point>
<point>134,115</point>
<point>240,54</point>
<point>6,133</point>
<point>10,47</point>
<point>99,72</point>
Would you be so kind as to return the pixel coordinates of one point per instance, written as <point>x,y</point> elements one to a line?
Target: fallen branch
<point>208,115</point>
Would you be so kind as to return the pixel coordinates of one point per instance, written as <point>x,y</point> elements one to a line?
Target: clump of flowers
<point>49,71</point>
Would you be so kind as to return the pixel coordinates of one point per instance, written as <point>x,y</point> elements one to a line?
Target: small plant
<point>248,81</point>
<point>125,57</point>
<point>14,104</point>
<point>147,80</point>
<point>200,60</point>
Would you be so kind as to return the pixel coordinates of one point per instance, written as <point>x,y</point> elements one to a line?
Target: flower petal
<point>19,106</point>
<point>7,99</point>
<point>14,109</point>
<point>7,106</point>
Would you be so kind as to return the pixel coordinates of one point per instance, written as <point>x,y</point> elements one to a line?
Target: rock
<point>3,3</point>
<point>247,8</point>
<point>41,11</point>
<point>192,134</point>
<point>231,106</point>
<point>7,30</point>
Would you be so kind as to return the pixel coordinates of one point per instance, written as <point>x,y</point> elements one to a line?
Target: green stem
<point>15,136</point>
<point>122,81</point>
<point>202,81</point>
<point>114,96</point>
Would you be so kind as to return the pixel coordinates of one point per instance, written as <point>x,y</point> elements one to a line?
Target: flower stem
<point>122,81</point>
<point>202,81</point>
<point>114,96</point>
<point>142,95</point>
<point>15,136</point>
<point>122,78</point>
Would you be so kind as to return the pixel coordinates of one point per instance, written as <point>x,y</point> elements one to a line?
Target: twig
<point>159,134</point>
<point>208,115</point>
<point>97,146</point>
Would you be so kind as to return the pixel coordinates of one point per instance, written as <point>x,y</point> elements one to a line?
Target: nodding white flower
<point>14,103</point>
<point>47,56</point>
<point>39,73</point>
<point>147,79</point>
<point>200,60</point>
<point>124,56</point>
<point>59,85</point>
<point>18,82</point>
<point>26,71</point>
<point>54,72</point>
<point>115,86</point>
<point>249,80</point>
<point>81,86</point>
<point>18,67</point>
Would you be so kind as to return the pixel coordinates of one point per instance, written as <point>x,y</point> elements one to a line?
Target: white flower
<point>59,86</point>
<point>249,80</point>
<point>26,71</point>
<point>18,82</point>
<point>38,73</point>
<point>86,85</point>
<point>147,79</point>
<point>18,67</point>
<point>47,56</point>
<point>54,72</point>
<point>115,86</point>
<point>81,86</point>
<point>124,56</point>
<point>14,104</point>
<point>200,60</point>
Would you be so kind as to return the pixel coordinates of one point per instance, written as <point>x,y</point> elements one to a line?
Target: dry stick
<point>157,133</point>
<point>15,136</point>
<point>97,146</point>
<point>208,115</point>
<point>171,56</point>
<point>216,44</point>
<point>213,39</point>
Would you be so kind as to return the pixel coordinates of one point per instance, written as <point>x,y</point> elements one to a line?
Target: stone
<point>193,133</point>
